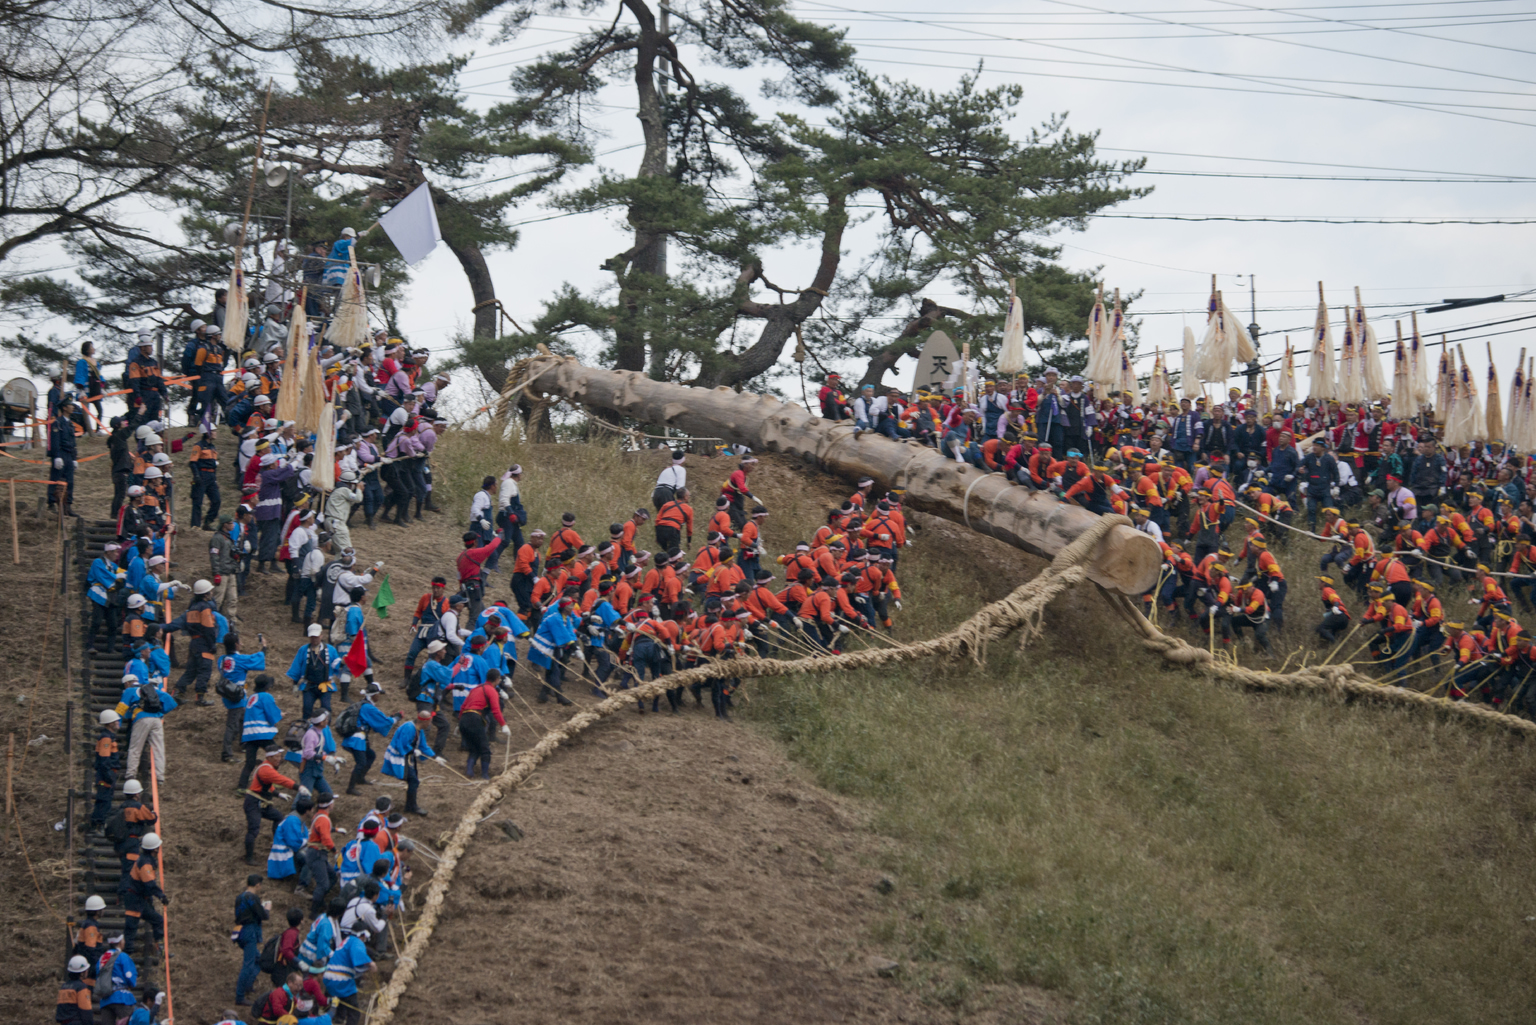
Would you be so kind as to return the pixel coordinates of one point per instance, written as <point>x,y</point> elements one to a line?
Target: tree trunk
<point>780,319</point>
<point>907,343</point>
<point>482,289</point>
<point>1038,523</point>
<point>648,258</point>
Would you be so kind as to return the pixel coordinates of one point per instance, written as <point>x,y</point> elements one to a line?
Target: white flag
<point>412,225</point>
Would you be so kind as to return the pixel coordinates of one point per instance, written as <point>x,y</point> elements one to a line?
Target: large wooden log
<point>1128,560</point>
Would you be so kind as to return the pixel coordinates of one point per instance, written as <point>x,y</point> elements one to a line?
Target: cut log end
<point>1128,561</point>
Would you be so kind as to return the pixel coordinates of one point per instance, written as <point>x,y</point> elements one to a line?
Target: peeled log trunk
<point>1038,523</point>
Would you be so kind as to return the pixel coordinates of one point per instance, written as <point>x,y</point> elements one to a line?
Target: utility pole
<point>1253,367</point>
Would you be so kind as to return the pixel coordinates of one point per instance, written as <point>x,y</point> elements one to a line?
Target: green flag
<point>384,599</point>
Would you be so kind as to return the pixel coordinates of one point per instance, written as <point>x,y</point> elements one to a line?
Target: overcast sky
<point>1371,112</point>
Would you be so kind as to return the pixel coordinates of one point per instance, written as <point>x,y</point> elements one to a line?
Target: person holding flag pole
<point>358,659</point>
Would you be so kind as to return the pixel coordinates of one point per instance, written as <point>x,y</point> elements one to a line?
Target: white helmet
<point>108,716</point>
<point>133,788</point>
<point>134,491</point>
<point>78,964</point>
<point>202,587</point>
<point>143,431</point>
<point>94,903</point>
<point>253,362</point>
<point>152,439</point>
<point>151,842</point>
<point>161,459</point>
<point>152,473</point>
<point>136,601</point>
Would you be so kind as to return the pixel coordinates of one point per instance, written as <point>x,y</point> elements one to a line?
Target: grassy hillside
<point>1149,846</point>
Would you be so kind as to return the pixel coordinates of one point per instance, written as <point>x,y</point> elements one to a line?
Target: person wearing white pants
<point>150,729</point>
<point>148,726</point>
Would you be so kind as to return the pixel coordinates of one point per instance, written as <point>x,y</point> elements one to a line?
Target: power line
<point>1334,178</point>
<point>1206,10</point>
<point>1147,65</point>
<point>1309,46</point>
<point>1200,29</point>
<point>1278,81</point>
<point>1399,30</point>
<point>1177,85</point>
<point>1299,163</point>
<point>1265,219</point>
<point>1159,65</point>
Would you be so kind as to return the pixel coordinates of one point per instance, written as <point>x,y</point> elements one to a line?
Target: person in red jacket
<point>483,698</point>
<point>627,538</point>
<point>834,402</point>
<point>818,614</point>
<point>472,569</point>
<point>736,492</point>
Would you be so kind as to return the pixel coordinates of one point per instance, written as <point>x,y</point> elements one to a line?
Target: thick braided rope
<point>1020,609</point>
<point>1335,679</point>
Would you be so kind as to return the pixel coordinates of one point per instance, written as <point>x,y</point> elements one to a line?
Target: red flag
<point>357,656</point>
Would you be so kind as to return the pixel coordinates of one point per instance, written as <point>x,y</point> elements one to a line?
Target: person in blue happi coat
<point>288,840</point>
<point>234,667</point>
<point>405,750</point>
<point>259,725</point>
<point>313,668</point>
<point>368,719</point>
<point>553,642</point>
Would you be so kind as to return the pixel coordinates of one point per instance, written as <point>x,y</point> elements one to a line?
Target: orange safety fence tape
<point>165,911</point>
<point>165,946</point>
<point>27,480</point>
<point>47,462</point>
<point>93,398</point>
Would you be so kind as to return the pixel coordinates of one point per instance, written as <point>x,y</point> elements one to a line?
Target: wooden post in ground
<point>10,758</point>
<point>15,532</point>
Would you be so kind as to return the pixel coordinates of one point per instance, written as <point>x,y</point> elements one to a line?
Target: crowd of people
<point>1410,525</point>
<point>603,614</point>
<point>1223,487</point>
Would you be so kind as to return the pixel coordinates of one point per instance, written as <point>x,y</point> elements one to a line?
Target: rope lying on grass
<point>1333,679</point>
<point>1021,610</point>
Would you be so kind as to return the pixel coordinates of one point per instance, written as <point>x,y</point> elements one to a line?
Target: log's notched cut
<point>1127,561</point>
